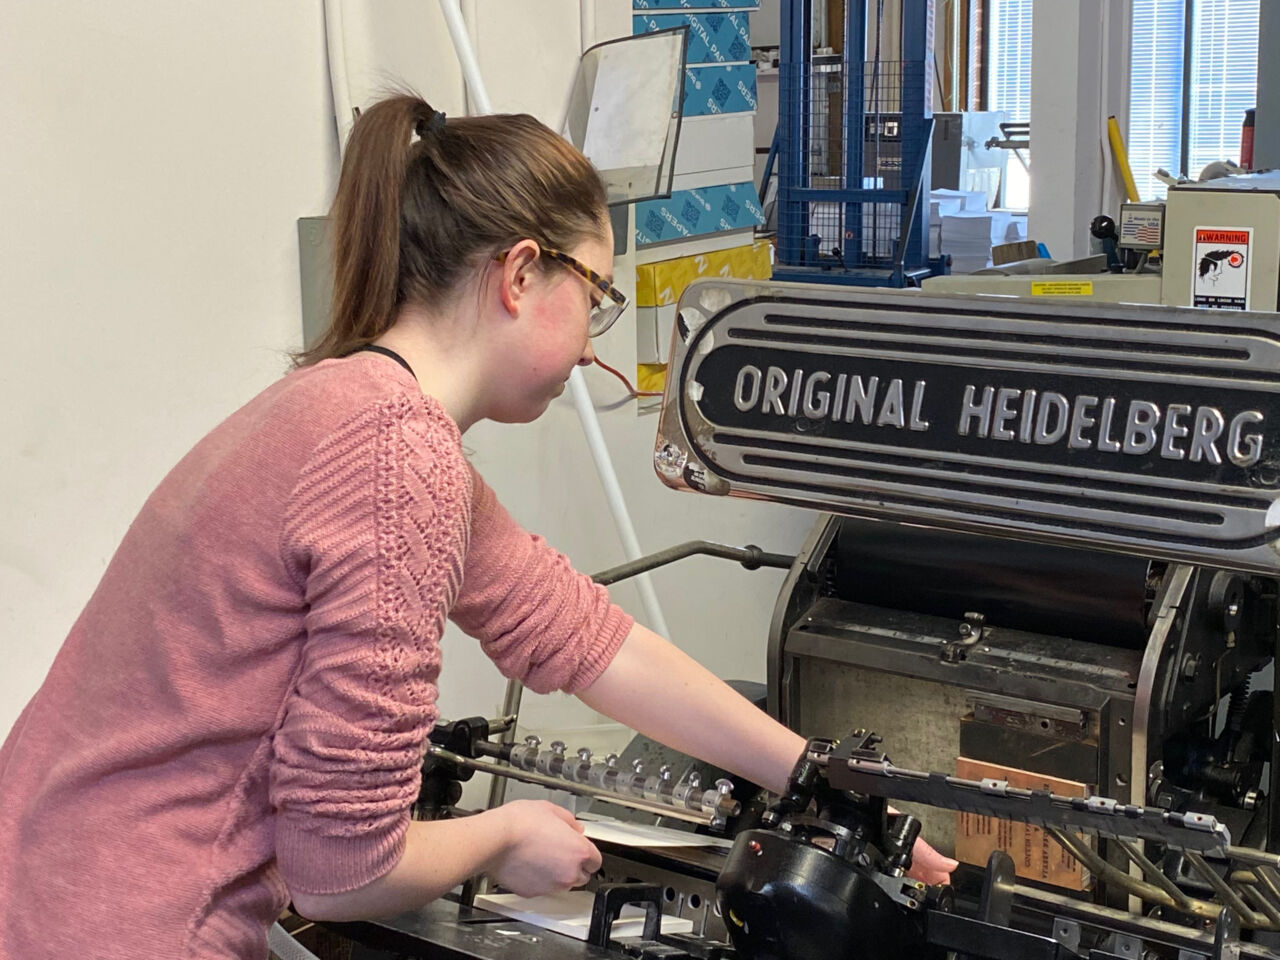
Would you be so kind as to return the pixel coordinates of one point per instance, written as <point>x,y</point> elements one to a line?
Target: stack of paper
<point>944,203</point>
<point>953,201</point>
<point>570,913</point>
<point>966,235</point>
<point>967,230</point>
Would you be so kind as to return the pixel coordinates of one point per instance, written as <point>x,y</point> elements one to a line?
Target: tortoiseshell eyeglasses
<point>612,302</point>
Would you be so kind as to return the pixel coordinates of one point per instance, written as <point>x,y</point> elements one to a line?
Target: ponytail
<point>365,221</point>
<point>421,203</point>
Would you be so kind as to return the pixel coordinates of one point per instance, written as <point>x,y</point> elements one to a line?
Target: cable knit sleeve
<point>537,618</point>
<point>375,533</point>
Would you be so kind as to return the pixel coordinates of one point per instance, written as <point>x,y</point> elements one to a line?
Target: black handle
<point>612,897</point>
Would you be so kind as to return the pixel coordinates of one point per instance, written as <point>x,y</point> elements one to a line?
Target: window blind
<point>1155,93</point>
<point>1224,79</point>
<point>1221,77</point>
<point>1009,87</point>
<point>1009,83</point>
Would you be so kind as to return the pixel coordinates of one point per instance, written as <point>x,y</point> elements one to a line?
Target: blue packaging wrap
<point>695,213</point>
<point>713,37</point>
<point>719,88</point>
<point>695,4</point>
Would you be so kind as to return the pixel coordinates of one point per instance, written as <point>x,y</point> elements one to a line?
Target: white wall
<point>156,159</point>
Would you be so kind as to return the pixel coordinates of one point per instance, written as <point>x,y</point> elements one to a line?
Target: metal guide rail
<point>456,746</point>
<point>1245,883</point>
<point>1145,430</point>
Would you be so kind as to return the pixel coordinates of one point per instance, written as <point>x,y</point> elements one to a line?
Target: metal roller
<point>1059,591</point>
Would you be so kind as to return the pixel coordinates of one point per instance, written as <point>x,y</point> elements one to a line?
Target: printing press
<point>1034,622</point>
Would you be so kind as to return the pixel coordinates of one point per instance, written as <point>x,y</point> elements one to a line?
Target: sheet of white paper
<point>641,835</point>
<point>570,913</point>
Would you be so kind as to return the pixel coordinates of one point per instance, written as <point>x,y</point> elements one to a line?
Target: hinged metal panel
<point>1141,429</point>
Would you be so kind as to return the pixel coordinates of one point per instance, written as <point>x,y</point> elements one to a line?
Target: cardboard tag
<point>1036,856</point>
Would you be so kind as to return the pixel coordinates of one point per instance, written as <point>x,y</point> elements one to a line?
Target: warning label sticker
<point>1062,288</point>
<point>1220,268</point>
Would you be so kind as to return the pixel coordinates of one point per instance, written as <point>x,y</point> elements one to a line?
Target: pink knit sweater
<point>243,703</point>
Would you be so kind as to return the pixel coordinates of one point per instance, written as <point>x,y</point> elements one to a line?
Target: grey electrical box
<point>315,268</point>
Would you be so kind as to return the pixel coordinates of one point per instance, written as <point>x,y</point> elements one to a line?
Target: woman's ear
<point>518,274</point>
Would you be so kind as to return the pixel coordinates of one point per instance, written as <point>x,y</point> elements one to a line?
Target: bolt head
<point>1190,666</point>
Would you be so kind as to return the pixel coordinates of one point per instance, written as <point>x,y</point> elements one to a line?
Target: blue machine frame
<point>853,198</point>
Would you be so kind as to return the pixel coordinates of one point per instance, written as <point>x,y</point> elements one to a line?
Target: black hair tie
<point>433,124</point>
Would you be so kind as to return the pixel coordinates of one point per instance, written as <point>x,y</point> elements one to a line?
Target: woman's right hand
<point>544,849</point>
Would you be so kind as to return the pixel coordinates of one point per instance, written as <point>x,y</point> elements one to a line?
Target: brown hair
<point>412,216</point>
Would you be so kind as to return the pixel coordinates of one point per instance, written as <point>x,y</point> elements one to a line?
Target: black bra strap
<point>375,348</point>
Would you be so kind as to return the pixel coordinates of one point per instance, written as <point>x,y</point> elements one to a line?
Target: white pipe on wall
<point>338,82</point>
<point>466,55</point>
<point>577,384</point>
<point>586,23</point>
<point>613,493</point>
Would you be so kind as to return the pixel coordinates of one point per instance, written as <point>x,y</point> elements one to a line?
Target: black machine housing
<point>1031,656</point>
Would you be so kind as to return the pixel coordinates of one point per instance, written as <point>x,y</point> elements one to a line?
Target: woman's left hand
<point>929,866</point>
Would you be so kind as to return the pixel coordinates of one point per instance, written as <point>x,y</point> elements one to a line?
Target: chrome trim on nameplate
<point>1150,430</point>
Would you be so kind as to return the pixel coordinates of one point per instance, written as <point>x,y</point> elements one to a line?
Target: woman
<point>237,718</point>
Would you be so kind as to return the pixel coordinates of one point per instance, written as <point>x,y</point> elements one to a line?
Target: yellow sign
<point>658,284</point>
<point>1062,288</point>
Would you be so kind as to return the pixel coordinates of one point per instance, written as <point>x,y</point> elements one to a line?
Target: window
<point>1197,58</point>
<point>1009,83</point>
<point>1010,59</point>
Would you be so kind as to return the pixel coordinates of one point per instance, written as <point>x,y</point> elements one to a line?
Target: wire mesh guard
<point>843,198</point>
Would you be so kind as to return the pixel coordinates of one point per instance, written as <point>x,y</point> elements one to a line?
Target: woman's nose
<point>588,356</point>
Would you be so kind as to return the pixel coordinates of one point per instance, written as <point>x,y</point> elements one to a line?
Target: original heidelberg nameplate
<point>1148,430</point>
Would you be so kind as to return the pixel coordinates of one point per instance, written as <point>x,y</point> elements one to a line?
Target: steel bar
<point>1149,929</point>
<point>1223,889</point>
<point>750,556</point>
<point>1260,900</point>
<point>582,789</point>
<point>1155,874</point>
<point>1255,858</point>
<point>1268,880</point>
<point>1173,589</point>
<point>1268,893</point>
<point>875,775</point>
<point>1141,889</point>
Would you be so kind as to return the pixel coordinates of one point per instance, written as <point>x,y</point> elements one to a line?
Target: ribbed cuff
<point>617,624</point>
<point>311,862</point>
